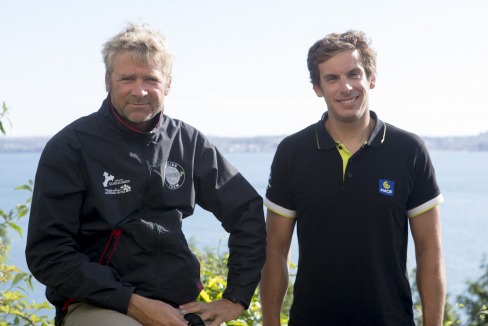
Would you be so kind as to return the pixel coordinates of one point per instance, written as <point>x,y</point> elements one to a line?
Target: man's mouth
<point>347,101</point>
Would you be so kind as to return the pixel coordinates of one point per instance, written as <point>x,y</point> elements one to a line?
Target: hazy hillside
<point>467,143</point>
<point>262,143</point>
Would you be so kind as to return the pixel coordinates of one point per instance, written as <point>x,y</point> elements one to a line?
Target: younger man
<point>352,184</point>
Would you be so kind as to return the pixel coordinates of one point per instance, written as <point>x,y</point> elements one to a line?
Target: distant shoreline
<point>258,144</point>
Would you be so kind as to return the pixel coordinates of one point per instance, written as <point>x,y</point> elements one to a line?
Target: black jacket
<point>96,176</point>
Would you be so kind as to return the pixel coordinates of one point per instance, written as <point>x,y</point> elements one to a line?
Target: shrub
<point>213,266</point>
<point>15,285</point>
<point>470,309</point>
<point>475,301</point>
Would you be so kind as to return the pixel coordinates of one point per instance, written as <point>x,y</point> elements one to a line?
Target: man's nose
<point>139,89</point>
<point>345,85</point>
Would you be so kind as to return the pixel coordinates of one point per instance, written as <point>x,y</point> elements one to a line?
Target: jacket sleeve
<point>221,189</point>
<point>53,250</point>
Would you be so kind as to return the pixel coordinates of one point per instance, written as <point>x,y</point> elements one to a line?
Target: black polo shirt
<point>352,222</point>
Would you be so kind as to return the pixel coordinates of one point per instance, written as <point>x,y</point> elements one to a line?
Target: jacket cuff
<point>243,294</point>
<point>121,299</point>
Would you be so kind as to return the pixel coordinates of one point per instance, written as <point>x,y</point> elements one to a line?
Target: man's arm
<point>275,274</point>
<point>431,279</point>
<point>222,190</point>
<point>53,241</point>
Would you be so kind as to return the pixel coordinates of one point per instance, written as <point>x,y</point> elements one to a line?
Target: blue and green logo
<point>387,187</point>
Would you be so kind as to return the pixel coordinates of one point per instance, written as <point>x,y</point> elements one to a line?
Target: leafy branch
<point>4,117</point>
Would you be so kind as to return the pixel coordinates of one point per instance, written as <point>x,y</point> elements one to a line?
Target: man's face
<point>344,86</point>
<point>137,91</point>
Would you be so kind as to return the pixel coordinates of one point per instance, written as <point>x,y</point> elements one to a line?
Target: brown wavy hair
<point>326,47</point>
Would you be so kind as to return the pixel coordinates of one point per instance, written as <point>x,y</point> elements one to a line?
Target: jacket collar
<point>120,125</point>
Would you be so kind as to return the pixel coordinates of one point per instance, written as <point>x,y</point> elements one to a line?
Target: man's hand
<point>218,311</point>
<point>150,312</point>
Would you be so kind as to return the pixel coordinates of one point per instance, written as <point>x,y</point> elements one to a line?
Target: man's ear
<point>318,90</point>
<point>168,86</point>
<point>372,81</point>
<point>107,81</point>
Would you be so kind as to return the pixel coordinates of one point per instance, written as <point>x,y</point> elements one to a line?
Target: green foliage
<point>15,285</point>
<point>214,270</point>
<point>470,309</point>
<point>9,219</point>
<point>3,117</point>
<point>451,314</point>
<point>475,301</point>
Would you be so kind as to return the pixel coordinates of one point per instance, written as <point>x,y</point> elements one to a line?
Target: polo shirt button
<point>349,175</point>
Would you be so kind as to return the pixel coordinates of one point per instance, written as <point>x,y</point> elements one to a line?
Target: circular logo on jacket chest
<point>174,175</point>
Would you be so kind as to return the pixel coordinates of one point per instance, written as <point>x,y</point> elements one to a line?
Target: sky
<point>240,68</point>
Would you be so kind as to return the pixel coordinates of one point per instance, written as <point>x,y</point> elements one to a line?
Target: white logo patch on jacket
<point>174,175</point>
<point>115,186</point>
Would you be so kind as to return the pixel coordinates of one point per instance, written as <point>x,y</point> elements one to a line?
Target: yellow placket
<point>346,155</point>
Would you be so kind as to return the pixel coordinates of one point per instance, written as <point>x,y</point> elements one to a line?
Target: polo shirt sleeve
<point>426,193</point>
<point>279,195</point>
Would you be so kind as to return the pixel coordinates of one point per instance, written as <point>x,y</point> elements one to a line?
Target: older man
<point>110,194</point>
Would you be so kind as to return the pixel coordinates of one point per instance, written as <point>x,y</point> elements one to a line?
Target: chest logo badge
<point>174,175</point>
<point>386,187</point>
<point>115,186</point>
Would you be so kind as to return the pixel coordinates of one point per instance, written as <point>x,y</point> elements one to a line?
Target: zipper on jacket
<point>148,184</point>
<point>158,263</point>
<point>144,211</point>
<point>110,247</point>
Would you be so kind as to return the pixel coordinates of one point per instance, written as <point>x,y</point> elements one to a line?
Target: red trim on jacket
<point>116,114</point>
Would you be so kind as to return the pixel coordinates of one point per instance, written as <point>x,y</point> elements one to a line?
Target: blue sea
<point>462,176</point>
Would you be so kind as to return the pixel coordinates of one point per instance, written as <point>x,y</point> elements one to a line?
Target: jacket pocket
<point>110,247</point>
<point>153,255</point>
<point>132,258</point>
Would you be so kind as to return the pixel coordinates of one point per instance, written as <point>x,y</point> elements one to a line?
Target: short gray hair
<point>146,45</point>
